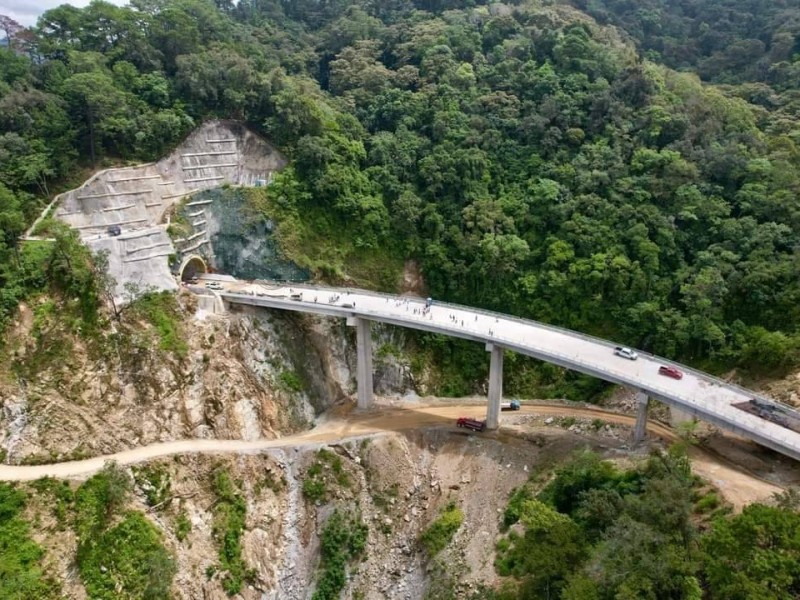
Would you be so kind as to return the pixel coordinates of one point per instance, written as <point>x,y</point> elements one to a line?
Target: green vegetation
<point>595,532</point>
<point>155,482</point>
<point>59,497</point>
<point>127,561</point>
<point>325,471</point>
<point>161,311</point>
<point>230,511</point>
<point>526,157</point>
<point>182,526</point>
<point>439,533</point>
<point>291,381</point>
<point>343,540</point>
<point>755,554</point>
<point>552,544</point>
<point>707,503</point>
<point>513,511</point>
<point>21,575</point>
<point>66,270</point>
<point>120,553</point>
<point>750,42</point>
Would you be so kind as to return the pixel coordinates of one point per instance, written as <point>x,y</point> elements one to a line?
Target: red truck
<point>472,424</point>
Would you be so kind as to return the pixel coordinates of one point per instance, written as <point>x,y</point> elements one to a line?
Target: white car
<point>214,285</point>
<point>626,352</point>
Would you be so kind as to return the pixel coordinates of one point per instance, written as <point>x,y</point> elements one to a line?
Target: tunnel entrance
<point>192,266</point>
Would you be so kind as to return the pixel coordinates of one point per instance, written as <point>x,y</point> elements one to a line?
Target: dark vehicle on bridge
<point>668,371</point>
<point>773,412</point>
<point>472,424</point>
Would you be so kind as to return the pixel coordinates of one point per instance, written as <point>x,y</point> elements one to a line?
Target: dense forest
<point>530,159</point>
<point>596,532</point>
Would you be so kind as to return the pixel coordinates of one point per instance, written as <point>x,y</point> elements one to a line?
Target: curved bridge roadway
<point>698,394</point>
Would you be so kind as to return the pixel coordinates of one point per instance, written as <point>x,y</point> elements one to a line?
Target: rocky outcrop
<point>246,375</point>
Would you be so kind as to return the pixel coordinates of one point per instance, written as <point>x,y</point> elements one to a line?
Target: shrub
<point>154,482</point>
<point>314,489</point>
<point>161,311</point>
<point>229,519</point>
<point>291,381</point>
<point>707,503</point>
<point>182,526</point>
<point>512,512</point>
<point>20,571</point>
<point>343,540</point>
<point>97,499</point>
<point>59,494</point>
<point>128,561</point>
<point>585,473</point>
<point>315,486</point>
<point>436,537</point>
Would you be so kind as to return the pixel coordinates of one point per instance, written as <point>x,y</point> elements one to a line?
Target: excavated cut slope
<point>136,199</point>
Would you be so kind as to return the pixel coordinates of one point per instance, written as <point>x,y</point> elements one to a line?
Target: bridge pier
<point>640,429</point>
<point>495,395</point>
<point>363,362</point>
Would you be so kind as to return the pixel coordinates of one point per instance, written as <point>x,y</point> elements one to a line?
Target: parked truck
<point>512,405</point>
<point>472,424</point>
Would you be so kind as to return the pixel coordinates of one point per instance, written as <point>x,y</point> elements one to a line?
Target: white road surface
<point>697,393</point>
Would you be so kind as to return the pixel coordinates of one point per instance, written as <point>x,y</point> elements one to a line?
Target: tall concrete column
<point>640,429</point>
<point>495,386</point>
<point>364,361</point>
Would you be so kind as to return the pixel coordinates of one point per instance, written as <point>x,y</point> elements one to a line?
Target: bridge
<point>697,394</point>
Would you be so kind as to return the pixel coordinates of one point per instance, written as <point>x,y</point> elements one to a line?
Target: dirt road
<point>738,487</point>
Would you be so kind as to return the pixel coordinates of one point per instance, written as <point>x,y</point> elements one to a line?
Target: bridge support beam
<point>640,429</point>
<point>363,362</point>
<point>495,386</point>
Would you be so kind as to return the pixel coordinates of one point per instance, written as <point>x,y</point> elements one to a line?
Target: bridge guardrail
<point>744,422</point>
<point>562,330</point>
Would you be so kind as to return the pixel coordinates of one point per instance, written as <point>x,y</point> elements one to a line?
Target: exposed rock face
<point>245,376</point>
<point>398,484</point>
<point>136,199</point>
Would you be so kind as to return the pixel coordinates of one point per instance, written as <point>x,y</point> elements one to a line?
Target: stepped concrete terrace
<point>137,200</point>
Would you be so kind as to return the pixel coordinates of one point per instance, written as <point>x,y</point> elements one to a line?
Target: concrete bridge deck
<point>698,394</point>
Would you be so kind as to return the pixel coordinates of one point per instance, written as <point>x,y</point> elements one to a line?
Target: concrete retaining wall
<point>137,198</point>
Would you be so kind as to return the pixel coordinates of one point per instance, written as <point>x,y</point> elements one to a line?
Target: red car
<point>670,372</point>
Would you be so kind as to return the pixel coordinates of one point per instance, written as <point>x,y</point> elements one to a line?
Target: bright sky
<point>27,11</point>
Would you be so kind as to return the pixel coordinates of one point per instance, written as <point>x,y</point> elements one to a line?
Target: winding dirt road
<point>738,487</point>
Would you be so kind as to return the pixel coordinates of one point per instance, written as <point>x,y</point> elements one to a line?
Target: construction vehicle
<point>472,424</point>
<point>512,405</point>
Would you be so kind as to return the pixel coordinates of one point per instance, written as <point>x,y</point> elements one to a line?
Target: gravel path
<point>738,487</point>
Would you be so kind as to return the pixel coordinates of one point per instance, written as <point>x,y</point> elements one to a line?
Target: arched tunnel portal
<point>192,266</point>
